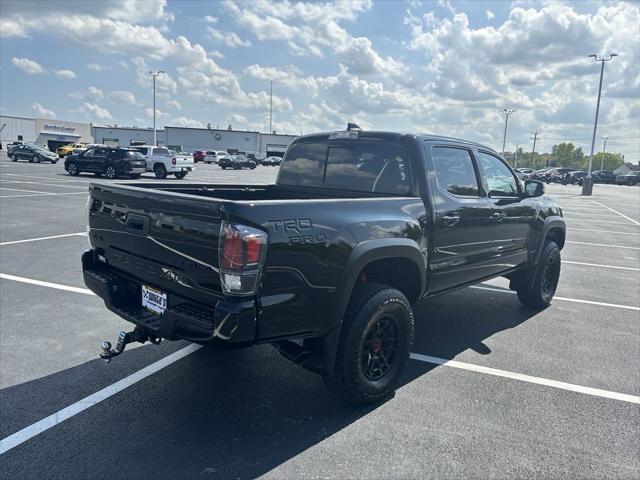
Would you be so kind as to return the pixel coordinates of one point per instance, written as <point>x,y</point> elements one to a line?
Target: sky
<point>442,67</point>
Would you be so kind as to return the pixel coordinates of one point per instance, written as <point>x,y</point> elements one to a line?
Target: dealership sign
<point>59,128</point>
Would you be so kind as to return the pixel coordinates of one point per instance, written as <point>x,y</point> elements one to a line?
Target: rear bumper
<point>177,169</point>
<point>233,322</point>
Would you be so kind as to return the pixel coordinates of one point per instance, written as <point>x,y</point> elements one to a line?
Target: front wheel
<point>14,158</point>
<point>110,172</point>
<point>160,171</point>
<point>224,168</point>
<point>537,289</point>
<point>374,346</point>
<point>73,169</point>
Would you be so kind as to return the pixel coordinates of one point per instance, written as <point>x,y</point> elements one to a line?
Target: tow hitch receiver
<point>125,338</point>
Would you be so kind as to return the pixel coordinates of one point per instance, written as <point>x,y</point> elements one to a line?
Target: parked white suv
<point>212,156</point>
<point>161,162</point>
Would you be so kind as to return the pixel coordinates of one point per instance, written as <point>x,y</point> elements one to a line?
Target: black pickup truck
<point>326,263</point>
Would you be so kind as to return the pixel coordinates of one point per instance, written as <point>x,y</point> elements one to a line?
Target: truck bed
<point>245,193</point>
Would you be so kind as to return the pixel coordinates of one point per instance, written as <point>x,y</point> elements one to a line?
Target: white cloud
<point>65,73</point>
<point>174,104</point>
<point>41,111</point>
<point>230,39</point>
<point>314,29</point>
<point>159,115</point>
<point>211,20</point>
<point>490,15</point>
<point>94,93</point>
<point>94,111</point>
<point>215,54</point>
<point>98,67</point>
<point>237,119</point>
<point>123,96</point>
<point>28,66</point>
<point>186,122</point>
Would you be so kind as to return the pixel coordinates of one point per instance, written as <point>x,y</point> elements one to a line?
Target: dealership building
<point>43,131</point>
<point>187,139</point>
<point>53,133</point>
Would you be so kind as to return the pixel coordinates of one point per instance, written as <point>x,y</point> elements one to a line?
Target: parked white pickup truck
<point>162,161</point>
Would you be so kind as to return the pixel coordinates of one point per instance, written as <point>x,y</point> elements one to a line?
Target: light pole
<point>506,112</point>
<point>587,185</point>
<point>155,75</point>
<point>604,147</point>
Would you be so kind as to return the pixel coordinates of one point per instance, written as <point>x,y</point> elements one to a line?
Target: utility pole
<point>587,184</point>
<point>506,112</point>
<point>533,150</point>
<point>155,75</point>
<point>604,147</point>
<point>270,106</point>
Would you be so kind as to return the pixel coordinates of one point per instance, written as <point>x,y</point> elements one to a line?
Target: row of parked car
<point>571,176</point>
<point>235,159</point>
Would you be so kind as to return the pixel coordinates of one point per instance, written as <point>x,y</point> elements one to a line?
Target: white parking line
<point>563,299</point>
<point>603,245</point>
<point>48,178</point>
<point>591,221</point>
<point>46,423</point>
<point>602,231</point>
<point>615,211</point>
<point>40,283</point>
<point>43,194</point>
<point>59,184</point>
<point>81,234</point>
<point>26,191</point>
<point>601,266</point>
<point>527,378</point>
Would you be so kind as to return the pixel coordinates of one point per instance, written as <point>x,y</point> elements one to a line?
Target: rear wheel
<point>224,168</point>
<point>374,347</point>
<point>160,171</point>
<point>73,169</point>
<point>180,175</point>
<point>537,289</point>
<point>110,172</point>
<point>36,159</point>
<point>14,158</point>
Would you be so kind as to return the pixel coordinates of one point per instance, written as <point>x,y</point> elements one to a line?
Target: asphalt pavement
<point>493,390</point>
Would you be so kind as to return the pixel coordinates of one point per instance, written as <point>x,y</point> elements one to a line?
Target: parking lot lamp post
<point>506,112</point>
<point>587,184</point>
<point>154,75</point>
<point>604,147</point>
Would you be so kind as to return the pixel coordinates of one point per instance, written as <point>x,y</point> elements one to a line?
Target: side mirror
<point>533,188</point>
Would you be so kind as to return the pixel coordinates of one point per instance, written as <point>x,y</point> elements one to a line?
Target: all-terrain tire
<point>537,292</point>
<point>374,347</point>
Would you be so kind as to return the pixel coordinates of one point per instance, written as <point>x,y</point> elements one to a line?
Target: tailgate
<point>184,161</point>
<point>167,240</point>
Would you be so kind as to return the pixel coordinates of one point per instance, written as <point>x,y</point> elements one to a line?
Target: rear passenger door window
<point>500,181</point>
<point>455,173</point>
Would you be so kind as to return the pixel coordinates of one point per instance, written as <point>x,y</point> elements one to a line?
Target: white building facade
<point>188,140</point>
<point>46,132</point>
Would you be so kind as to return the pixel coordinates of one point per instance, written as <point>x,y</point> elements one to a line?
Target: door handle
<point>498,216</point>
<point>451,220</point>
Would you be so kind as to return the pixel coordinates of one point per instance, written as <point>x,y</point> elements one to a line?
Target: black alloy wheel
<point>379,348</point>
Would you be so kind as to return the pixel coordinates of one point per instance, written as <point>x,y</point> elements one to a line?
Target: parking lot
<point>493,390</point>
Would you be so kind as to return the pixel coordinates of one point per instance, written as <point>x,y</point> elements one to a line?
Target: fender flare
<point>554,221</point>
<point>364,253</point>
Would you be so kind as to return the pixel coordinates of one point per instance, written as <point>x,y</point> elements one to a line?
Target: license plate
<point>154,300</point>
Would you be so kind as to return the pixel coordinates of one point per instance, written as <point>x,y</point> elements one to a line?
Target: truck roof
<point>394,136</point>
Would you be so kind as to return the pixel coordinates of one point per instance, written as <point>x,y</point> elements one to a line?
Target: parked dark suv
<point>110,161</point>
<point>603,176</point>
<point>236,162</point>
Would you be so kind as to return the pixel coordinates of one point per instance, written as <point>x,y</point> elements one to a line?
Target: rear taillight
<point>241,254</point>
<point>173,160</point>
